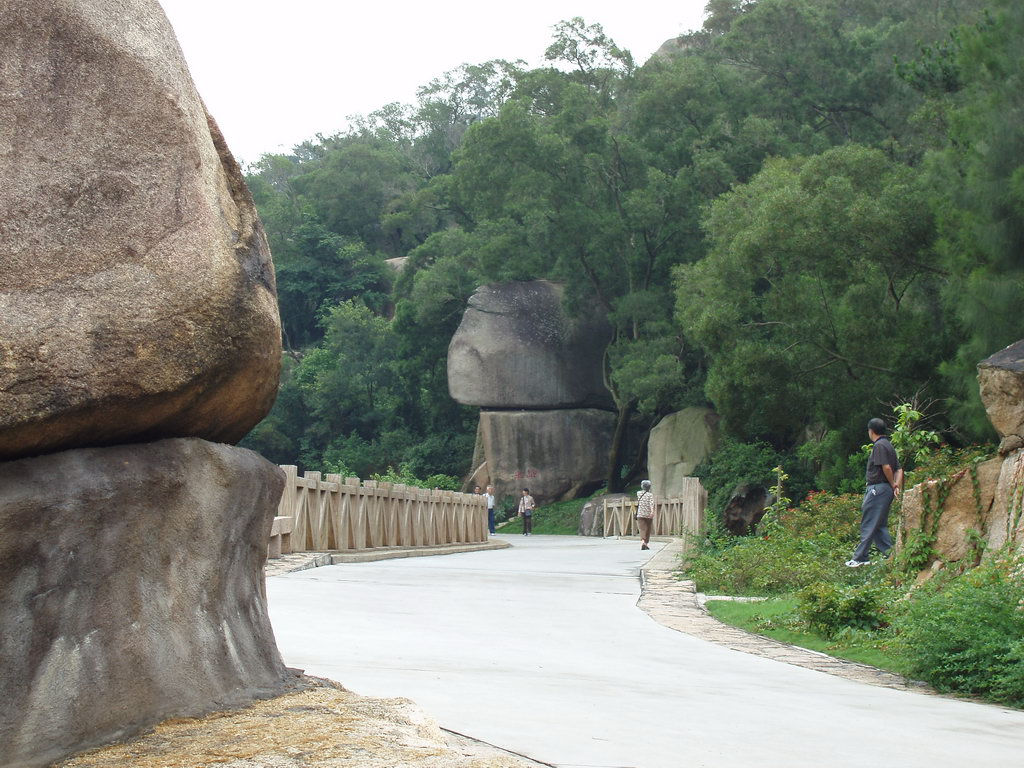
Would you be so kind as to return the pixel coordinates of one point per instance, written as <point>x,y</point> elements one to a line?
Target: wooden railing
<point>681,515</point>
<point>331,513</point>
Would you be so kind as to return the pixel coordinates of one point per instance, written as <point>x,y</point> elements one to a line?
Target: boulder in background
<point>517,348</point>
<point>678,443</point>
<point>558,455</point>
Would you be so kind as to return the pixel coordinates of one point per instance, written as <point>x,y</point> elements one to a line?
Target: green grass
<point>774,618</point>
<point>561,518</point>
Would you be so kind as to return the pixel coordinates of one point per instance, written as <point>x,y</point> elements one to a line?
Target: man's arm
<point>895,480</point>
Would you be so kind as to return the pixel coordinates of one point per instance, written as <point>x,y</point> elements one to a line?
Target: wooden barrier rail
<point>681,515</point>
<point>331,513</point>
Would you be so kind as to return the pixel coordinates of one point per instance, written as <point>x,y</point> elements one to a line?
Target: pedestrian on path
<point>645,513</point>
<point>490,508</point>
<point>526,507</point>
<point>884,478</point>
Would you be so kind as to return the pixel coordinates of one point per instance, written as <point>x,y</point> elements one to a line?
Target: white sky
<point>277,72</point>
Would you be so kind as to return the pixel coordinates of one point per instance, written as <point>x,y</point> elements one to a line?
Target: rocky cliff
<point>979,509</point>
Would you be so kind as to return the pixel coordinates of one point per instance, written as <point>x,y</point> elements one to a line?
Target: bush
<point>802,546</point>
<point>967,634</point>
<point>828,608</point>
<point>404,476</point>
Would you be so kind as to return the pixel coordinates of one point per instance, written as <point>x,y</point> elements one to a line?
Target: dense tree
<point>980,183</point>
<point>816,293</point>
<point>833,183</point>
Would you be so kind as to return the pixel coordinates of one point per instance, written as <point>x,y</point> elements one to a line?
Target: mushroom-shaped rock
<point>517,348</point>
<point>137,295</point>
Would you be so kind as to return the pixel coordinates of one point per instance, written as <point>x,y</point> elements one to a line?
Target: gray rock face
<point>1001,381</point>
<point>678,443</point>
<point>516,348</point>
<point>137,295</point>
<point>592,514</point>
<point>556,454</point>
<point>131,590</point>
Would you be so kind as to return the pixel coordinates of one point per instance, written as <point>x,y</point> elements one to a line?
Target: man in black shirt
<point>884,477</point>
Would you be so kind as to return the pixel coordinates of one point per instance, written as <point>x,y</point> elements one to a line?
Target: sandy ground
<point>321,725</point>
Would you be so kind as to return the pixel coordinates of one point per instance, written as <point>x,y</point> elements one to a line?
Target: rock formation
<point>132,590</point>
<point>137,302</point>
<point>537,375</point>
<point>592,513</point>
<point>745,508</point>
<point>1001,381</point>
<point>556,454</point>
<point>137,296</point>
<point>517,348</point>
<point>678,443</point>
<point>978,510</point>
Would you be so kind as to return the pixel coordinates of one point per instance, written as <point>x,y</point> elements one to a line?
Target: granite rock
<point>131,590</point>
<point>1001,382</point>
<point>517,348</point>
<point>137,294</point>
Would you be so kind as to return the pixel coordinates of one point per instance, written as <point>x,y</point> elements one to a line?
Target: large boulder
<point>1001,381</point>
<point>137,295</point>
<point>678,443</point>
<point>957,511</point>
<point>556,454</point>
<point>517,348</point>
<point>131,590</point>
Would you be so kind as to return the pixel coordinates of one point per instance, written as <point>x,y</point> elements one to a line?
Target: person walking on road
<point>526,507</point>
<point>490,508</point>
<point>645,513</point>
<point>884,477</point>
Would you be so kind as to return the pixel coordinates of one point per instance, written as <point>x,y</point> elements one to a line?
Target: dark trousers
<point>527,523</point>
<point>874,521</point>
<point>490,520</point>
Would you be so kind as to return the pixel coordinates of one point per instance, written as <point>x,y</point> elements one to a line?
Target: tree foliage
<point>811,210</point>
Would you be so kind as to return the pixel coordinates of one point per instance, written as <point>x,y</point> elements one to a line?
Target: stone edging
<point>301,561</point>
<point>675,603</point>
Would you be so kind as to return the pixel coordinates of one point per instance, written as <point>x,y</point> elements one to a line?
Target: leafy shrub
<point>403,475</point>
<point>735,463</point>
<point>802,545</point>
<point>828,608</point>
<point>967,634</point>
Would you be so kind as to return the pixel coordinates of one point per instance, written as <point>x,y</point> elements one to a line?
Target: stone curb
<point>301,561</point>
<point>676,604</point>
<point>389,553</point>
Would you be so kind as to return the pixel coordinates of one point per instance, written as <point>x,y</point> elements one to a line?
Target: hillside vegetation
<point>814,209</point>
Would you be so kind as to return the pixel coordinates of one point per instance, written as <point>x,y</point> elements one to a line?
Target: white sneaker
<point>856,563</point>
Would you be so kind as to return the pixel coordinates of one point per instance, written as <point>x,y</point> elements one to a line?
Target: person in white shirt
<point>490,508</point>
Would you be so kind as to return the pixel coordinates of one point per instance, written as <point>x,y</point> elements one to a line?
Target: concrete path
<point>541,649</point>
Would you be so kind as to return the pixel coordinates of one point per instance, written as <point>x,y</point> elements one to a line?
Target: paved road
<point>540,649</point>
